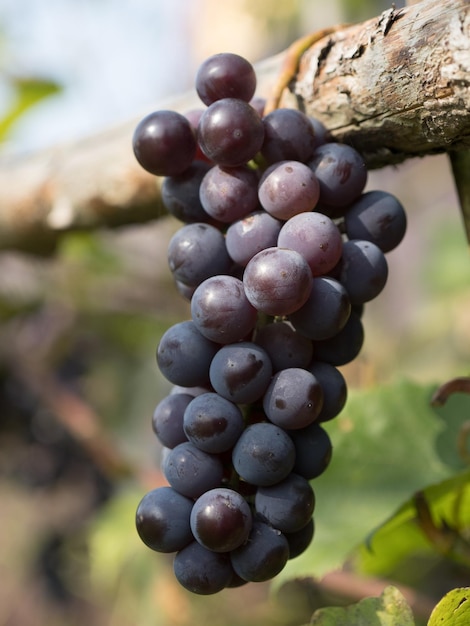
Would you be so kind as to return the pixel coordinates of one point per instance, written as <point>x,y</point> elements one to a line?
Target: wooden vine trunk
<point>395,87</point>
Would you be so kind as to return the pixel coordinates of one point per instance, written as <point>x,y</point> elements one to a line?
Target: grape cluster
<point>279,251</point>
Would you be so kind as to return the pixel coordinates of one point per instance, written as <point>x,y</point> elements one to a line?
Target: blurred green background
<point>79,382</point>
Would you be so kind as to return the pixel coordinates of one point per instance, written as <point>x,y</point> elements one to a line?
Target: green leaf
<point>387,444</point>
<point>453,609</point>
<point>389,609</point>
<point>28,92</point>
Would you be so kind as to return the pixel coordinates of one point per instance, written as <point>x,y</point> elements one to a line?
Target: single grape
<point>180,194</point>
<point>221,520</point>
<point>341,172</point>
<point>288,188</point>
<point>343,347</point>
<point>316,237</point>
<point>300,540</point>
<point>334,389</point>
<point>289,136</point>
<point>277,281</point>
<point>240,372</point>
<point>263,556</point>
<point>167,420</point>
<point>221,311</point>
<point>264,454</point>
<point>326,311</point>
<point>284,345</point>
<point>225,75</point>
<point>230,132</point>
<point>193,116</point>
<point>212,423</point>
<point>313,451</point>
<point>184,355</point>
<point>248,236</point>
<point>293,399</point>
<point>202,571</point>
<point>164,143</point>
<point>229,193</point>
<point>364,270</point>
<point>191,471</point>
<point>288,505</point>
<point>377,216</point>
<point>163,520</point>
<point>196,252</point>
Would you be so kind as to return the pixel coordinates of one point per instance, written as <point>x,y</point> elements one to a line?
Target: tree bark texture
<point>394,87</point>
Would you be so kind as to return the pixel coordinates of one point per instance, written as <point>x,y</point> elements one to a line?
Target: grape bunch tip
<point>279,250</point>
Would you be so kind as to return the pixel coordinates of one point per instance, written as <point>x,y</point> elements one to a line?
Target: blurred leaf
<point>28,92</point>
<point>390,609</point>
<point>387,444</point>
<point>453,609</point>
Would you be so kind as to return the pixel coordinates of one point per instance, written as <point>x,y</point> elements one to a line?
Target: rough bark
<point>395,87</point>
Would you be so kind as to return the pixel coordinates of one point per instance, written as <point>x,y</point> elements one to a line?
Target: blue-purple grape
<point>202,571</point>
<point>180,194</point>
<point>264,454</point>
<point>364,270</point>
<point>300,540</point>
<point>212,423</point>
<point>334,388</point>
<point>288,188</point>
<point>221,311</point>
<point>221,520</point>
<point>240,372</point>
<point>229,193</point>
<point>164,143</point>
<point>277,281</point>
<point>284,345</point>
<point>288,505</point>
<point>230,132</point>
<point>293,399</point>
<point>163,520</point>
<point>263,556</point>
<point>343,347</point>
<point>167,419</point>
<point>184,355</point>
<point>225,75</point>
<point>289,136</point>
<point>191,471</point>
<point>255,232</point>
<point>313,451</point>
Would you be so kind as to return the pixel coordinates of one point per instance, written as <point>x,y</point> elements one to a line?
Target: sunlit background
<point>79,330</point>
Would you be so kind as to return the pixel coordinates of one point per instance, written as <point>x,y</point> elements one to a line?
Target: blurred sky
<point>114,57</point>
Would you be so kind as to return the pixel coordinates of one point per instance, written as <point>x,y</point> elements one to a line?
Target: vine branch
<point>394,87</point>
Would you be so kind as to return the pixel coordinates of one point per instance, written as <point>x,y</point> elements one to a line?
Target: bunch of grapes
<point>279,251</point>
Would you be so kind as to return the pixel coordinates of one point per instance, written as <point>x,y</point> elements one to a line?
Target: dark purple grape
<point>180,194</point>
<point>316,237</point>
<point>221,520</point>
<point>221,310</point>
<point>341,172</point>
<point>289,136</point>
<point>364,270</point>
<point>288,505</point>
<point>250,235</point>
<point>259,104</point>
<point>334,389</point>
<point>229,193</point>
<point>277,281</point>
<point>322,134</point>
<point>164,143</point>
<point>163,520</point>
<point>202,571</point>
<point>196,252</point>
<point>343,347</point>
<point>326,311</point>
<point>288,188</point>
<point>293,399</point>
<point>225,75</point>
<point>241,372</point>
<point>263,556</point>
<point>184,355</point>
<point>213,423</point>
<point>377,216</point>
<point>300,540</point>
<point>193,116</point>
<point>264,454</point>
<point>230,132</point>
<point>191,471</point>
<point>167,420</point>
<point>284,345</point>
<point>313,451</point>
